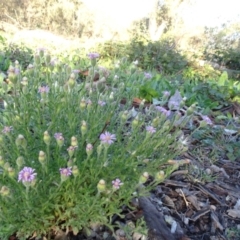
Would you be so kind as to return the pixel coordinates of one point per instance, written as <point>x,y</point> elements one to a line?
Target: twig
<point>186,202</point>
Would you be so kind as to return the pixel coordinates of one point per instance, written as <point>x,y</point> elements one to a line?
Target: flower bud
<point>74,141</point>
<point>30,66</point>
<point>191,109</point>
<point>20,161</point>
<point>71,83</point>
<point>16,63</point>
<point>93,62</point>
<point>166,125</point>
<point>111,97</point>
<point>89,105</point>
<point>84,128</point>
<point>1,139</point>
<point>42,157</point>
<point>99,150</point>
<point>37,59</point>
<point>135,122</point>
<point>65,87</point>
<point>89,149</point>
<point>6,166</point>
<point>1,161</point>
<point>70,163</point>
<point>5,191</point>
<point>24,84</point>
<point>4,86</point>
<point>83,104</point>
<point>101,186</point>
<point>203,124</point>
<point>142,103</point>
<point>46,138</point>
<point>13,77</point>
<point>21,141</point>
<point>166,94</point>
<point>52,65</point>
<point>182,103</point>
<point>156,122</point>
<point>30,69</point>
<point>143,178</point>
<point>159,176</point>
<point>72,76</point>
<point>60,141</point>
<point>41,52</point>
<point>75,171</point>
<point>124,116</point>
<point>69,70</point>
<point>47,59</point>
<point>177,116</point>
<point>11,172</point>
<point>11,69</point>
<point>71,151</point>
<point>65,173</point>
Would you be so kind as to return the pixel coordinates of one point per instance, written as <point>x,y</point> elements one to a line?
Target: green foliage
<point>32,117</point>
<point>222,140</point>
<point>147,92</point>
<point>4,62</point>
<point>47,102</point>
<point>210,91</point>
<point>21,53</point>
<point>4,58</point>
<point>222,47</point>
<point>112,49</point>
<point>232,233</point>
<point>197,73</point>
<point>11,52</point>
<point>161,55</point>
<point>154,88</point>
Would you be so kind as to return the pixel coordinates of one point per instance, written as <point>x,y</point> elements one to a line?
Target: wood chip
<point>216,221</point>
<point>199,214</point>
<point>208,192</point>
<point>193,200</point>
<point>168,182</point>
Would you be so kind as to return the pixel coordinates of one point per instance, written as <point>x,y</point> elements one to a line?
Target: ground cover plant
<point>71,153</point>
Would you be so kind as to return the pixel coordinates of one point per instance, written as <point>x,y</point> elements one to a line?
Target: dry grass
<point>70,24</point>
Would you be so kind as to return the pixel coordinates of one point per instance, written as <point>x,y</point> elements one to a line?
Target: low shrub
<point>71,154</point>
